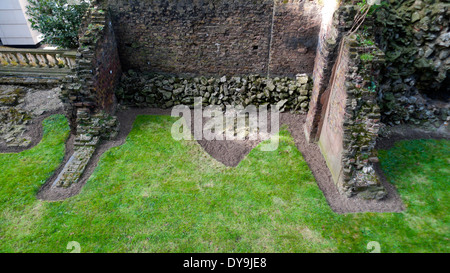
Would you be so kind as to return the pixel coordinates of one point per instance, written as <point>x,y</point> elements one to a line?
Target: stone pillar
<point>97,70</point>
<point>88,93</point>
<point>352,120</point>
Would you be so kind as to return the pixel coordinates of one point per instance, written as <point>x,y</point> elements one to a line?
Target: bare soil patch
<point>392,135</point>
<point>316,162</point>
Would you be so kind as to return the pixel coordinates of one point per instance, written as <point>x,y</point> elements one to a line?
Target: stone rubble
<point>416,38</point>
<point>90,130</point>
<point>153,90</point>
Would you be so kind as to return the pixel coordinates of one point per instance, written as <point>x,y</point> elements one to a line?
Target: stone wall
<point>98,68</point>
<point>88,94</point>
<point>156,90</point>
<point>331,33</point>
<point>32,81</point>
<point>352,121</point>
<point>296,25</point>
<point>415,36</point>
<point>13,118</point>
<point>343,115</point>
<point>107,66</point>
<point>219,37</point>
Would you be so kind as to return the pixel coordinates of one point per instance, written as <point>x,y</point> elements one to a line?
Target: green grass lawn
<point>154,194</point>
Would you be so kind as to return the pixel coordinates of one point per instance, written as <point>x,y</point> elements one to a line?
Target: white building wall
<point>15,29</point>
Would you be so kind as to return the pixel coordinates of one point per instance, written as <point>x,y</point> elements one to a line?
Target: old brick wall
<point>331,33</point>
<point>98,69</point>
<point>88,93</point>
<point>295,37</point>
<point>217,37</point>
<point>332,133</point>
<point>108,69</point>
<point>352,120</point>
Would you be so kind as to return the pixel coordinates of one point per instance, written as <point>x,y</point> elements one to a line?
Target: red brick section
<point>108,70</point>
<point>332,131</point>
<point>329,39</point>
<point>351,121</point>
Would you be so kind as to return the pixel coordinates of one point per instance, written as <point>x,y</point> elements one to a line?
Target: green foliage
<point>373,7</point>
<point>364,37</point>
<point>372,87</point>
<point>58,20</point>
<point>367,57</point>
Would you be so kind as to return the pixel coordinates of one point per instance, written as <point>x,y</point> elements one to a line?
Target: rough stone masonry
<point>415,85</point>
<point>218,37</point>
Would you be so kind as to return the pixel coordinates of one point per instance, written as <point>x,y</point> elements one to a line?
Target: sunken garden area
<point>360,93</point>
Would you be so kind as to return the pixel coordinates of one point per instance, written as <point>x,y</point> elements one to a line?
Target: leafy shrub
<point>57,20</point>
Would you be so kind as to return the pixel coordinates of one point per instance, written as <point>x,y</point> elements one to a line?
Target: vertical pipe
<point>271,38</point>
